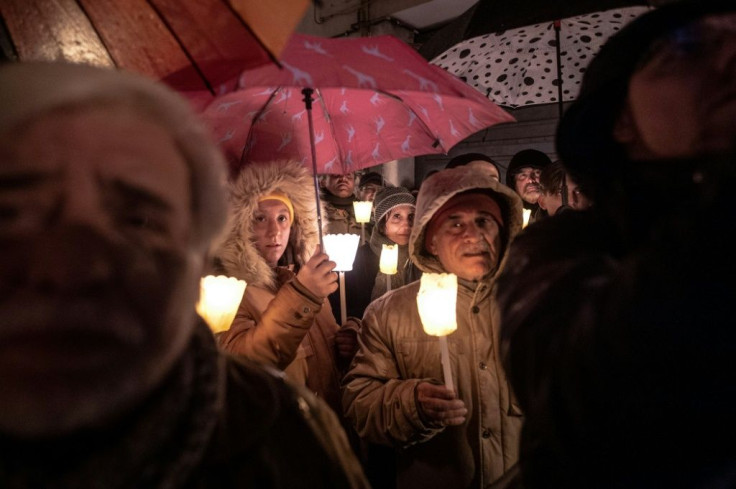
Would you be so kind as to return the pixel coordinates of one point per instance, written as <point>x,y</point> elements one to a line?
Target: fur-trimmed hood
<point>441,187</point>
<point>237,254</point>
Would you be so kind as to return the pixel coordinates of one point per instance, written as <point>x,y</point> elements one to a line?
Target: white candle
<point>436,301</point>
<point>341,249</point>
<point>526,214</point>
<point>388,262</point>
<point>219,298</point>
<point>362,210</point>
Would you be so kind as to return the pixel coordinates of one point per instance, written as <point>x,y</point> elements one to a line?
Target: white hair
<point>30,90</point>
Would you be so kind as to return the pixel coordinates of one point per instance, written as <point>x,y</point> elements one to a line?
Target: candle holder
<point>219,298</point>
<point>436,301</point>
<point>388,263</point>
<point>362,210</point>
<point>341,249</point>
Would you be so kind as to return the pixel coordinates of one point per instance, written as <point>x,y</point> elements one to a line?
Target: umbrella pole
<point>558,25</point>
<point>308,104</point>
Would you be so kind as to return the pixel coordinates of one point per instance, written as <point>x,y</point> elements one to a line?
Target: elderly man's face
<point>682,102</point>
<point>340,185</point>
<point>466,238</point>
<point>98,275</point>
<point>526,183</point>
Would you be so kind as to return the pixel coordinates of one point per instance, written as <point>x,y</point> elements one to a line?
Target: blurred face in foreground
<point>682,101</point>
<point>98,275</point>
<point>271,229</point>
<point>465,237</point>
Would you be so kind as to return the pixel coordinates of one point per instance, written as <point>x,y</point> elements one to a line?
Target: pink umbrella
<point>375,100</point>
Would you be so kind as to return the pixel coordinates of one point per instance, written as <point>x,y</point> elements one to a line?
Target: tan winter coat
<point>279,323</point>
<point>395,355</point>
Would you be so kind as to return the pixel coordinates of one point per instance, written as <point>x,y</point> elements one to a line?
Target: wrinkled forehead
<point>114,143</point>
<point>348,176</point>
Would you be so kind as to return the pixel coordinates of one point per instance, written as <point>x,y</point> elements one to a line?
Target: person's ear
<point>432,245</point>
<point>542,201</point>
<point>624,129</point>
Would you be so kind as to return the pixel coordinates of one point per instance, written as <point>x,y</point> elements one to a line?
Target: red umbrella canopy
<point>376,100</point>
<point>194,45</point>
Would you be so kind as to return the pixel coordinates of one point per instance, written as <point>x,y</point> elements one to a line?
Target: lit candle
<point>526,214</point>
<point>362,210</point>
<point>389,259</point>
<point>341,249</point>
<point>436,301</point>
<point>219,298</point>
<point>388,263</point>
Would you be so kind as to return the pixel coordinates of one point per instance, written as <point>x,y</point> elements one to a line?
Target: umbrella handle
<point>308,104</point>
<point>558,26</point>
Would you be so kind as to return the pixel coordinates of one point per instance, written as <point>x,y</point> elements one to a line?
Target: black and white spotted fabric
<point>518,67</point>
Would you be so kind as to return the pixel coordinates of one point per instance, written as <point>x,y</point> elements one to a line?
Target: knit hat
<point>526,158</point>
<point>388,198</point>
<point>584,136</point>
<point>370,178</point>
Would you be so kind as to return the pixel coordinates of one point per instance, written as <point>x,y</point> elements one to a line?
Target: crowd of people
<point>593,348</point>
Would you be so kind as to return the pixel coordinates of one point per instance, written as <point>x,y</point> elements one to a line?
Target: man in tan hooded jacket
<point>465,438</point>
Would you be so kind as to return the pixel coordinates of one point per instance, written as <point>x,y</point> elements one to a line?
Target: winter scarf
<point>156,446</point>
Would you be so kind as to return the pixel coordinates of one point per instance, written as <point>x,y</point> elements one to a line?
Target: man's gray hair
<point>29,90</point>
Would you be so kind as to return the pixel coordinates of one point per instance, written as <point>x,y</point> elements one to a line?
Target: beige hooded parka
<point>395,355</point>
<point>279,322</point>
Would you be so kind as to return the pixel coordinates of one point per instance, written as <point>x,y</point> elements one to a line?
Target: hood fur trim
<point>238,254</point>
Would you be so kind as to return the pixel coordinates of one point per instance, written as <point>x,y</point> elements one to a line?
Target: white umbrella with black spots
<point>519,67</point>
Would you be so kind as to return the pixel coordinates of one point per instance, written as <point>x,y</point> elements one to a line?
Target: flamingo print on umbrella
<point>375,100</point>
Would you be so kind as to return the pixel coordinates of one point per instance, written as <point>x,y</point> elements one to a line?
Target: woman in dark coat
<point>393,210</point>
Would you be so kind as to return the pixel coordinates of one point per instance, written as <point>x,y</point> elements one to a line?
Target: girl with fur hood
<point>283,319</point>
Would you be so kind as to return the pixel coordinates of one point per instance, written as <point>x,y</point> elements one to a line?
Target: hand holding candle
<point>436,301</point>
<point>219,298</point>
